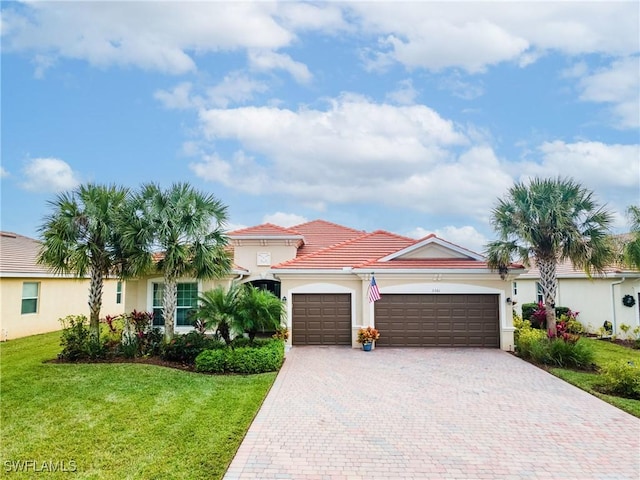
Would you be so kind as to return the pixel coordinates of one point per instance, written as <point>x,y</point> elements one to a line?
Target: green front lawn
<point>119,420</point>
<point>605,352</point>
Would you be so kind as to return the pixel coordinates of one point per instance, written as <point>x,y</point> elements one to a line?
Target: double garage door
<point>438,320</point>
<point>404,320</point>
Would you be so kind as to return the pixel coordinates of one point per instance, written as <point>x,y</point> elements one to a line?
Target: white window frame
<point>151,306</point>
<point>539,293</point>
<point>30,298</point>
<point>119,292</point>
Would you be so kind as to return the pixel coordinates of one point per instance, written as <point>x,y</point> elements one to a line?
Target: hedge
<point>245,360</point>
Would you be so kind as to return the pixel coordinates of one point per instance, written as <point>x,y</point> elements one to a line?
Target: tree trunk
<point>169,302</point>
<point>549,285</point>
<point>95,302</point>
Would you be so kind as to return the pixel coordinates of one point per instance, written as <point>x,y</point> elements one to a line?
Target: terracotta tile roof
<point>18,255</point>
<point>264,230</point>
<point>351,253</point>
<point>319,234</point>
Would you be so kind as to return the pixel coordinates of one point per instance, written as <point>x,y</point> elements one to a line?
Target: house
<point>597,299</point>
<point>433,293</point>
<point>33,299</point>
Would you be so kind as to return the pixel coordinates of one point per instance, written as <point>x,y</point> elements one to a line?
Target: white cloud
<point>438,35</point>
<point>178,98</point>
<point>305,16</point>
<point>265,60</point>
<point>352,137</point>
<point>168,36</point>
<point>610,171</point>
<point>150,35</point>
<point>355,151</point>
<point>284,219</point>
<point>235,88</point>
<point>467,236</point>
<point>577,70</point>
<point>49,175</point>
<point>3,173</point>
<point>230,227</point>
<point>599,165</point>
<point>405,94</point>
<point>619,86</point>
<point>461,88</point>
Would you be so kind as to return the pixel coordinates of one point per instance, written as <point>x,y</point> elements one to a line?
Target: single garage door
<point>321,319</point>
<point>438,320</point>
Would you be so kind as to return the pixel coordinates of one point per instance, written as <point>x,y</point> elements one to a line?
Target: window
<point>539,295</point>
<point>30,291</point>
<point>119,292</point>
<point>187,302</point>
<point>515,288</point>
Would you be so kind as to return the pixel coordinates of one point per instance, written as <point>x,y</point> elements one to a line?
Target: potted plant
<point>366,336</point>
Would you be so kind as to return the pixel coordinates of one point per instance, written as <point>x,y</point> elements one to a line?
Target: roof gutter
<point>613,304</point>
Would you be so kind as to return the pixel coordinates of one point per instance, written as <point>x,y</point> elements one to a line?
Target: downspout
<point>238,278</point>
<point>613,305</point>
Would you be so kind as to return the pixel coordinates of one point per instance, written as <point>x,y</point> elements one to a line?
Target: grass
<point>605,352</point>
<point>116,421</point>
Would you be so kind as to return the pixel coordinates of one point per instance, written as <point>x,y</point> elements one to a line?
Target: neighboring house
<point>433,293</point>
<point>597,299</point>
<point>32,299</point>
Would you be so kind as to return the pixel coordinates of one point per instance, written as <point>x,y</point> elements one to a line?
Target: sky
<point>411,117</point>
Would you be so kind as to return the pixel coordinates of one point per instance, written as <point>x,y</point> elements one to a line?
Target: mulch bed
<point>144,360</point>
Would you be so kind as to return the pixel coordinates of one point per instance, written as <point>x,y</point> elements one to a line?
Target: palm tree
<point>549,221</point>
<point>79,237</point>
<point>182,230</point>
<point>218,308</point>
<point>631,248</point>
<point>257,309</point>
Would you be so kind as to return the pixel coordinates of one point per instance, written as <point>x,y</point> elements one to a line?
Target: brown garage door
<point>438,320</point>
<point>321,319</point>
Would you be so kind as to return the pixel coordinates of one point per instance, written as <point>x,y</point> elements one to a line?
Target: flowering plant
<point>368,335</point>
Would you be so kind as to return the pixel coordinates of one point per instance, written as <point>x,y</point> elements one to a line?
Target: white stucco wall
<point>58,297</point>
<point>597,299</point>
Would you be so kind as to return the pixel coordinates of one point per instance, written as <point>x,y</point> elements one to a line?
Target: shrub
<point>565,351</point>
<point>267,358</point>
<point>185,348</point>
<point>633,335</point>
<point>539,316</point>
<point>76,340</point>
<point>570,320</point>
<point>282,333</point>
<point>620,378</point>
<point>536,314</point>
<point>527,340</point>
<point>242,341</point>
<point>528,309</point>
<point>519,325</point>
<point>150,343</point>
<point>571,354</point>
<point>212,361</point>
<point>245,360</point>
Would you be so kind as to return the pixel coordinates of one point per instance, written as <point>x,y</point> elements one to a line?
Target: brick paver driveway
<point>340,413</point>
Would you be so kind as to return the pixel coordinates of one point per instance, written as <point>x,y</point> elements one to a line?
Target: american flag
<point>374,293</point>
